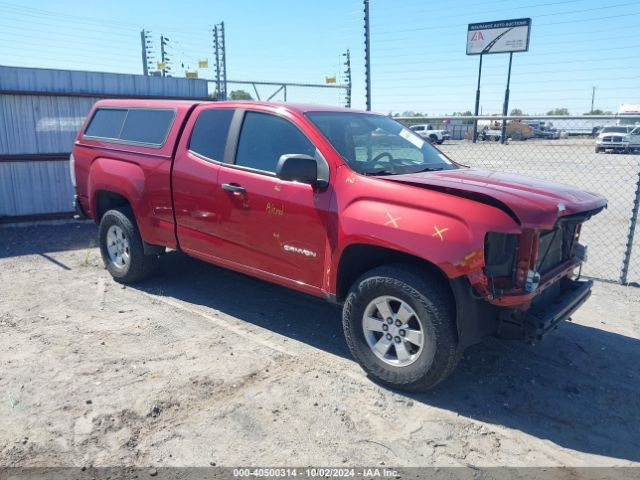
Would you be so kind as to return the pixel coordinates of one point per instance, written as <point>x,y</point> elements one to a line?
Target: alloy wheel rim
<point>118,247</point>
<point>393,331</point>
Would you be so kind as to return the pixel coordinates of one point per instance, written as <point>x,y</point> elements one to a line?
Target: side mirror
<point>298,167</point>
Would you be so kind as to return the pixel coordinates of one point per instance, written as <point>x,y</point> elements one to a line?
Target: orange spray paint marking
<point>439,232</point>
<point>393,221</point>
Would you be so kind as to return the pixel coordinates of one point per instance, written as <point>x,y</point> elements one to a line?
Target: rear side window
<point>149,126</point>
<point>210,132</point>
<point>106,123</point>
<point>264,138</point>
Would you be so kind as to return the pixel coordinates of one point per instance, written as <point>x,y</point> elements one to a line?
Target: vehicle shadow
<point>578,389</point>
<point>17,240</point>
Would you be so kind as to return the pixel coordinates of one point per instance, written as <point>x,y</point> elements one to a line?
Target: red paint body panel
<point>294,234</point>
<point>535,202</point>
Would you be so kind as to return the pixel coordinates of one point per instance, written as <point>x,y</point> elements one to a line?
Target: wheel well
<point>107,201</point>
<point>358,259</point>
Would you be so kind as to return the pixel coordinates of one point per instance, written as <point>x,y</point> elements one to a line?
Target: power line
<point>538,25</point>
<point>542,54</point>
<point>570,12</point>
<point>499,10</point>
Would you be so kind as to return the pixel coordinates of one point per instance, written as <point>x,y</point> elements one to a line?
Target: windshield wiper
<point>372,173</point>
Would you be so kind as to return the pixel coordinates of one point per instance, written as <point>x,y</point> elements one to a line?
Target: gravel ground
<point>203,366</point>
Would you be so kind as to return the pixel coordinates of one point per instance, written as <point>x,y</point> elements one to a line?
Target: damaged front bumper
<point>545,315</point>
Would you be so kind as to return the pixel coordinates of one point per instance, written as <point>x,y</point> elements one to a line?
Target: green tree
<point>559,111</point>
<point>240,95</point>
<point>411,113</point>
<point>516,112</point>
<point>597,111</point>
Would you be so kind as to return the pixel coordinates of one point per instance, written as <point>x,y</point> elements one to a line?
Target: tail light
<point>72,170</point>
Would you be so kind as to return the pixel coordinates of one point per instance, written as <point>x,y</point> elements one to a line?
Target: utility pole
<point>145,40</point>
<point>367,55</point>
<point>347,72</point>
<point>219,52</point>
<point>216,54</point>
<point>223,47</point>
<point>164,58</point>
<point>593,97</point>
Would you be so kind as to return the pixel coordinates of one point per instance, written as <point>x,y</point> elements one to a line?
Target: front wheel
<point>399,323</point>
<point>121,247</point>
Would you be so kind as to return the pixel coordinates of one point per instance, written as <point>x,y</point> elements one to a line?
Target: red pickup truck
<point>426,255</point>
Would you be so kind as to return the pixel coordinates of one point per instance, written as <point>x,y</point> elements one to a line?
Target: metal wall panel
<point>41,111</point>
<point>35,188</point>
<point>99,83</point>
<point>40,124</point>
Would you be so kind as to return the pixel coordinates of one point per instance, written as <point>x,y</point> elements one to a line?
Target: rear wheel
<point>433,138</point>
<point>121,247</point>
<point>400,326</point>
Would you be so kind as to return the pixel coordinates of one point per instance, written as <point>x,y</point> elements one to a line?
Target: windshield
<point>377,145</point>
<point>615,130</point>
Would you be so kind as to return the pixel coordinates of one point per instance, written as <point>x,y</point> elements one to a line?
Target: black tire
<point>140,266</point>
<point>440,142</point>
<point>432,302</point>
<point>598,149</point>
<point>433,138</point>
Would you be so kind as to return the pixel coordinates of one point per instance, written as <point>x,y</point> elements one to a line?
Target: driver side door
<point>271,227</point>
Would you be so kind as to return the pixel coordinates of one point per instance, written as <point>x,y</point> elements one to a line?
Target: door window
<point>209,137</point>
<point>265,138</point>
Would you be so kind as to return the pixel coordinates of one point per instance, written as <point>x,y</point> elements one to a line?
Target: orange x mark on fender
<point>439,232</point>
<point>392,221</point>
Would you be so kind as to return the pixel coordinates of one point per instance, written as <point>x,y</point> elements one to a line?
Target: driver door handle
<point>233,188</point>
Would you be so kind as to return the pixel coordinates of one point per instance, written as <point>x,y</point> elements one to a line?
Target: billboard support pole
<point>505,107</point>
<point>475,113</point>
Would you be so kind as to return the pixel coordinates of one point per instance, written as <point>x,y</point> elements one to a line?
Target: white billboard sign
<point>498,37</point>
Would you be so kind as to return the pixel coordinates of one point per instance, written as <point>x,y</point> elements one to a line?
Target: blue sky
<point>418,47</point>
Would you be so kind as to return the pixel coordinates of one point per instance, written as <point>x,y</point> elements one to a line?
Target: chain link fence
<point>598,154</point>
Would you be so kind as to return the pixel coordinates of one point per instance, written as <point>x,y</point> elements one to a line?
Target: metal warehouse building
<point>41,111</point>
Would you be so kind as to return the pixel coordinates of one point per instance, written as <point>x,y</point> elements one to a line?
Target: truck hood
<point>531,202</point>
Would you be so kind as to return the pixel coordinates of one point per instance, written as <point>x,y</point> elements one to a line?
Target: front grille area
<point>612,139</point>
<point>501,253</point>
<point>555,246</point>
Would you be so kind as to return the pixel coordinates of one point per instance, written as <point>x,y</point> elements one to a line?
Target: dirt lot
<point>201,366</point>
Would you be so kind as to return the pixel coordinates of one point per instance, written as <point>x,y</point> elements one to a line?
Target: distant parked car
<point>430,133</point>
<point>493,132</point>
<point>542,129</point>
<point>618,138</point>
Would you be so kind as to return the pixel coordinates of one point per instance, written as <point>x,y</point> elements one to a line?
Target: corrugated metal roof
<point>69,81</point>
